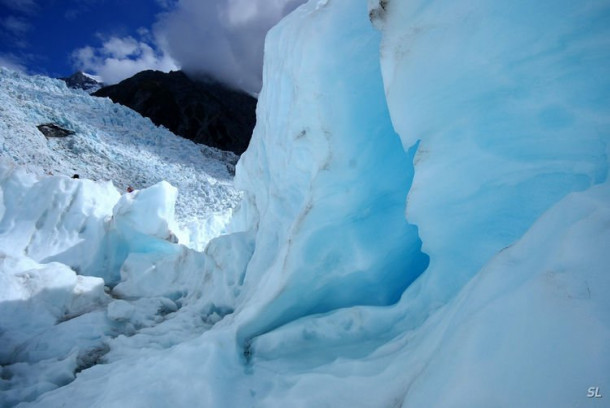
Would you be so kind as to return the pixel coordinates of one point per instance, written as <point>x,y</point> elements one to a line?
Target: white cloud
<point>119,58</point>
<point>222,38</point>
<point>121,47</point>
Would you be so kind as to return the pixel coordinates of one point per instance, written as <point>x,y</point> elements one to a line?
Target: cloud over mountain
<point>121,57</point>
<point>224,39</point>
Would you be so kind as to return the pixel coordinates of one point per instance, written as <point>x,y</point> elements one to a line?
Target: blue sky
<point>117,38</point>
<point>42,36</point>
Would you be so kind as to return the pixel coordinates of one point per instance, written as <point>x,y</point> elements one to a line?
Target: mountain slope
<point>73,240</point>
<point>110,142</point>
<point>205,112</point>
<point>80,80</point>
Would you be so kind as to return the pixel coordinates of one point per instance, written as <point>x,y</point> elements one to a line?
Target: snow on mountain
<point>113,143</point>
<point>81,80</point>
<point>83,262</point>
<point>425,222</point>
<point>95,78</point>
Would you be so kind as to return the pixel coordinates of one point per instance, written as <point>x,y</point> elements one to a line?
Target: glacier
<point>84,262</point>
<point>113,143</point>
<point>424,222</point>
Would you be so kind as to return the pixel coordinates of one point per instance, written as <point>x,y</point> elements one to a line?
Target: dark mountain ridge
<point>80,80</point>
<point>206,112</point>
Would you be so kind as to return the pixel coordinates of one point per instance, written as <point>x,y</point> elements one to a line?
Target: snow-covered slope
<point>81,80</point>
<point>110,143</point>
<point>132,274</point>
<point>71,248</point>
<point>425,223</point>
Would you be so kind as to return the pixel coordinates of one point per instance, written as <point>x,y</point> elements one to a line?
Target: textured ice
<point>55,323</point>
<point>509,104</point>
<point>327,182</point>
<point>111,143</point>
<point>532,328</point>
<point>34,299</point>
<point>478,126</point>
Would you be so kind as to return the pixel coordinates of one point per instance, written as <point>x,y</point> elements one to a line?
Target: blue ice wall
<point>326,175</point>
<point>509,101</point>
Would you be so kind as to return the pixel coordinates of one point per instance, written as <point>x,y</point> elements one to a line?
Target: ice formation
<point>69,246</point>
<point>112,143</point>
<point>425,223</point>
<point>509,105</point>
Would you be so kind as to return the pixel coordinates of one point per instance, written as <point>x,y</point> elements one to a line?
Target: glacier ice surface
<point>113,143</point>
<point>425,222</point>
